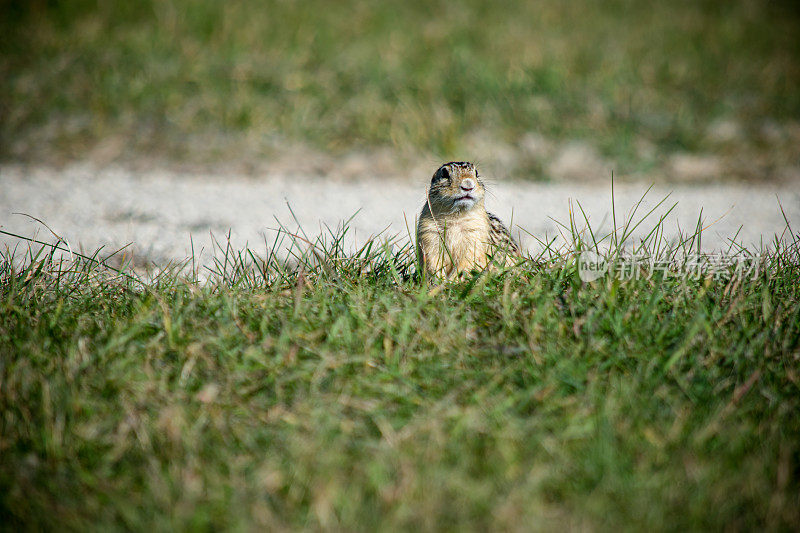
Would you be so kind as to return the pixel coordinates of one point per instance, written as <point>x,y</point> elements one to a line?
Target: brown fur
<point>456,235</point>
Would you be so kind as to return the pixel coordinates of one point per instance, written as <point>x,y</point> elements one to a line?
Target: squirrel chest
<point>455,244</point>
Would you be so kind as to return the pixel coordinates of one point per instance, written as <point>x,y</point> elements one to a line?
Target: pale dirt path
<point>158,210</point>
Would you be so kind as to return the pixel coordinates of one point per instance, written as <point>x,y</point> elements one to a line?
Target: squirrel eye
<point>441,174</point>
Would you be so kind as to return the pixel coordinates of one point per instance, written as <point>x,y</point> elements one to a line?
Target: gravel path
<point>158,210</point>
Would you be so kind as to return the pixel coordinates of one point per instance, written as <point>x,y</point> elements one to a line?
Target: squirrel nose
<point>468,184</point>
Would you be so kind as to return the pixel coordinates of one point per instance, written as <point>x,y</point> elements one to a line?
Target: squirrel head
<point>455,187</point>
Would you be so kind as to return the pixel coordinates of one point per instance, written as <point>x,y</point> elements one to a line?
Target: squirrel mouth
<point>465,197</point>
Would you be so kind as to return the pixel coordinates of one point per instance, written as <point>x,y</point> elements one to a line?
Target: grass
<point>181,76</point>
<point>338,391</point>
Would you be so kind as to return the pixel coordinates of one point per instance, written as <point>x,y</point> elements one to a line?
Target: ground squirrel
<point>455,233</point>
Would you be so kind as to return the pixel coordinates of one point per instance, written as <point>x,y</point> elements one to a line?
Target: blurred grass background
<point>636,79</point>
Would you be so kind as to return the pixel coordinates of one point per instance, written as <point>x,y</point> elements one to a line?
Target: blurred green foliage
<point>333,395</point>
<point>413,74</point>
